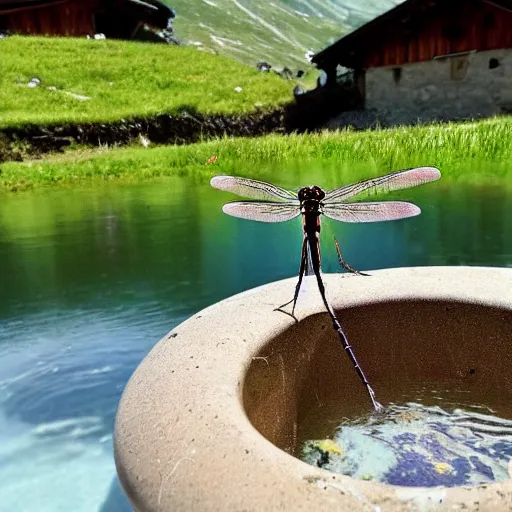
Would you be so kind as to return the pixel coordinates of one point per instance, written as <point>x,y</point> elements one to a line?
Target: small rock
<point>322,79</point>
<point>286,73</point>
<point>298,90</point>
<point>238,89</point>
<point>144,141</point>
<point>265,67</point>
<point>35,82</point>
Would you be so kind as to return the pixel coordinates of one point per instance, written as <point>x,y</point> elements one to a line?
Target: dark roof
<point>155,5</point>
<point>345,50</point>
<point>154,12</point>
<point>148,5</point>
<point>28,3</point>
<point>8,5</point>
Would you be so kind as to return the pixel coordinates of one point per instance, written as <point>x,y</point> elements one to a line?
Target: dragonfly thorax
<point>310,198</point>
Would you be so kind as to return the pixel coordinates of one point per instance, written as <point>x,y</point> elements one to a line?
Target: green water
<point>91,278</point>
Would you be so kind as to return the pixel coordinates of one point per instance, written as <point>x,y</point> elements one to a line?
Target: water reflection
<point>91,279</point>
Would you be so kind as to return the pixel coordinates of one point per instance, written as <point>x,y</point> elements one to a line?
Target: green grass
<point>124,79</point>
<point>278,34</point>
<point>478,152</point>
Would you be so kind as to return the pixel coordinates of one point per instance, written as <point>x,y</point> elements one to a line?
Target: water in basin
<point>415,444</point>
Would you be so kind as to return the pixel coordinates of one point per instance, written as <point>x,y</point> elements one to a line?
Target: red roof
<point>350,50</point>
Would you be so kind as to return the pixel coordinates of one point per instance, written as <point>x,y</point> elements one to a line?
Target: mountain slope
<point>277,31</point>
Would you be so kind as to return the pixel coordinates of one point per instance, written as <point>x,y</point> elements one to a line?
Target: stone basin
<point>212,417</point>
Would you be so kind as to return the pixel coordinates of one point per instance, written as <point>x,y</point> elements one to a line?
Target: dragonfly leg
<point>344,341</point>
<point>302,269</point>
<point>344,264</point>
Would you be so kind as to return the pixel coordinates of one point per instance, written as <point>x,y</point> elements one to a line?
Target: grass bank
<point>89,81</point>
<point>458,149</point>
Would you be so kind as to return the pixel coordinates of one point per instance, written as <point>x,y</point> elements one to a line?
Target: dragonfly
<point>275,204</point>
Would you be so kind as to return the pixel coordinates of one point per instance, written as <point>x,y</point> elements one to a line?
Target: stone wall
<point>477,84</point>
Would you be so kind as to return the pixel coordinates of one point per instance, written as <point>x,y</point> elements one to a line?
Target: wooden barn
<point>114,18</point>
<point>430,59</point>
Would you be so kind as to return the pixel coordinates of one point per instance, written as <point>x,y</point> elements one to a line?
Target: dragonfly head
<point>308,193</point>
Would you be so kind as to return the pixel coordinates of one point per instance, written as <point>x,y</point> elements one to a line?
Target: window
<point>397,75</point>
<point>494,63</point>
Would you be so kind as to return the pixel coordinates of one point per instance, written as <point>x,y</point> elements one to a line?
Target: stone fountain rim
<point>144,452</point>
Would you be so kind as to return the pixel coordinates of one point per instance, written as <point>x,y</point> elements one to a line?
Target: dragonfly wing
<point>252,188</point>
<point>394,181</point>
<point>261,211</point>
<point>370,212</point>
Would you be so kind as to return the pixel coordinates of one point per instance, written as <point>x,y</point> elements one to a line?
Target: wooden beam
<point>498,6</point>
<point>456,54</point>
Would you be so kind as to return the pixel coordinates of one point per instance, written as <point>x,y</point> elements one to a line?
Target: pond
<point>92,278</point>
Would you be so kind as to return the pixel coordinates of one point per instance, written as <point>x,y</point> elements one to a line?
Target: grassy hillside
<point>279,31</point>
<point>338,157</point>
<point>122,79</point>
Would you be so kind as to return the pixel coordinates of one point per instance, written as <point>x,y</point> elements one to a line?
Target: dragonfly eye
<point>303,194</point>
<point>315,193</point>
<point>319,193</point>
